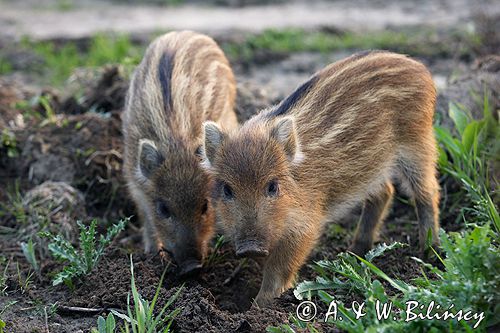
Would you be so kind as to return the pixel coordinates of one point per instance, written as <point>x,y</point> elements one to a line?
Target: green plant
<point>344,275</point>
<point>14,208</point>
<point>141,318</point>
<point>423,42</point>
<point>215,255</point>
<point>61,60</point>
<point>3,279</point>
<point>466,282</point>
<point>30,255</point>
<point>81,260</point>
<point>24,282</point>
<point>105,325</point>
<point>465,157</point>
<point>50,115</point>
<point>9,142</point>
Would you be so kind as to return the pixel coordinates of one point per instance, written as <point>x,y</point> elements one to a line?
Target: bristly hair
<point>165,68</point>
<point>291,100</point>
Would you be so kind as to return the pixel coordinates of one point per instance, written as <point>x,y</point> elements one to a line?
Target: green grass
<point>216,255</point>
<point>84,258</point>
<point>60,61</point>
<point>466,282</point>
<point>4,275</point>
<point>142,316</point>
<point>13,208</point>
<point>467,155</point>
<point>422,42</point>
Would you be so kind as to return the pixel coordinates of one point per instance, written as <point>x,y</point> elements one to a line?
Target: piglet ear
<point>284,132</point>
<point>149,157</point>
<point>212,140</point>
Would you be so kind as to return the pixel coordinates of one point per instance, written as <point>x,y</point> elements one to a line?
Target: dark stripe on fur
<point>165,69</point>
<point>291,100</point>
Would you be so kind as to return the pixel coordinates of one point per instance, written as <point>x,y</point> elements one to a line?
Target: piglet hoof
<point>262,302</point>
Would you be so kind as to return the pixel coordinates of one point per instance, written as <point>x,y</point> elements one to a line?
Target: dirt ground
<point>84,150</point>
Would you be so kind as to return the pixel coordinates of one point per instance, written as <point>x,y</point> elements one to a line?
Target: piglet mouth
<point>251,249</point>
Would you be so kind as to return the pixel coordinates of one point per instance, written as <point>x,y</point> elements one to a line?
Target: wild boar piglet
<point>183,80</point>
<point>341,139</point>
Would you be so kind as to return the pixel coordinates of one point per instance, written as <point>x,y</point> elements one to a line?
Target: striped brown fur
<point>183,80</point>
<point>342,138</point>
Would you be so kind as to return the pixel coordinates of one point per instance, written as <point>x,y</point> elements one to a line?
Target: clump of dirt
<point>82,150</point>
<point>103,94</point>
<point>58,204</point>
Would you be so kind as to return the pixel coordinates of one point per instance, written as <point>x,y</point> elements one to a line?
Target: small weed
<point>50,309</point>
<point>24,283</point>
<point>38,107</point>
<point>44,102</point>
<point>3,279</point>
<point>105,325</point>
<point>14,208</point>
<point>141,317</point>
<point>215,255</point>
<point>81,260</point>
<point>9,143</point>
<point>30,255</point>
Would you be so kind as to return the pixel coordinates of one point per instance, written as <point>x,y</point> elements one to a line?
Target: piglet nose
<point>190,267</point>
<point>251,249</point>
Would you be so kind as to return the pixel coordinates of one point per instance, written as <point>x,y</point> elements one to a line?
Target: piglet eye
<point>227,191</point>
<point>162,209</point>
<point>204,208</point>
<point>272,188</point>
<point>197,152</point>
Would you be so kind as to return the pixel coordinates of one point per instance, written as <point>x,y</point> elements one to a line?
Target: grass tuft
<point>142,316</point>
